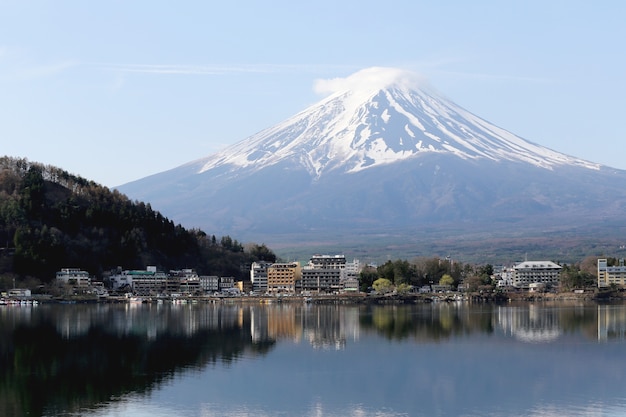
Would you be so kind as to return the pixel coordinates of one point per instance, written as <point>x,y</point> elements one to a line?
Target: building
<point>328,261</point>
<point>186,280</point>
<point>19,293</point>
<point>150,281</point>
<point>529,272</point>
<point>330,273</point>
<point>244,286</point>
<point>321,279</point>
<point>284,277</point>
<point>227,283</point>
<point>505,278</point>
<point>258,276</point>
<point>350,278</point>
<point>141,282</point>
<point>608,275</point>
<point>74,276</point>
<point>209,283</point>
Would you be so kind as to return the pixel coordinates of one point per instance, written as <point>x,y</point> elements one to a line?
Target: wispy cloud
<point>46,70</point>
<point>497,77</point>
<point>175,69</point>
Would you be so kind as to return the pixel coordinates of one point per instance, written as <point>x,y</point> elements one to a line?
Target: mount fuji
<point>384,152</point>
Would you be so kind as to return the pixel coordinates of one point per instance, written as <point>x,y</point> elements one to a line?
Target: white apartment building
<point>74,276</point>
<point>530,272</point>
<point>258,276</point>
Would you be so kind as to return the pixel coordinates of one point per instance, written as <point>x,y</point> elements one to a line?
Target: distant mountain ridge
<point>384,151</point>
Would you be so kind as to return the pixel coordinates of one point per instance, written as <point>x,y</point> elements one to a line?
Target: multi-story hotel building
<point>210,283</point>
<point>321,279</point>
<point>330,273</point>
<point>328,261</point>
<point>608,275</point>
<point>74,276</point>
<point>531,272</point>
<point>142,282</point>
<point>284,277</point>
<point>258,275</point>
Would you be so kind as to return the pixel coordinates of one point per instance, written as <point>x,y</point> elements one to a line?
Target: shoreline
<point>357,298</point>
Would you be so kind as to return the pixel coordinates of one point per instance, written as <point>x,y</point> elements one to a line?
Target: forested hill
<point>50,219</point>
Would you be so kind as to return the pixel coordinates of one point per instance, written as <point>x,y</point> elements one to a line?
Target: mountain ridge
<point>386,123</point>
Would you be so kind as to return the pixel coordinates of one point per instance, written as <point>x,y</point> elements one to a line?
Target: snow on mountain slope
<point>380,116</point>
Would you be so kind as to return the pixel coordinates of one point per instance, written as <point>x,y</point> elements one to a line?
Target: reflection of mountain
<point>58,360</point>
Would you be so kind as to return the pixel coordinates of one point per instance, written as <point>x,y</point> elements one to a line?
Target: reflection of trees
<point>428,322</point>
<point>432,322</point>
<point>44,372</point>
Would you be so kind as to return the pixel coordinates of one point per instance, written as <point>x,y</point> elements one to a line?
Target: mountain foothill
<point>50,219</point>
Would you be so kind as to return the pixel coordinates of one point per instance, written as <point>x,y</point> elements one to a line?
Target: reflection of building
<point>611,322</point>
<point>283,277</point>
<point>258,324</point>
<point>326,327</point>
<point>608,275</point>
<point>529,272</point>
<point>533,324</point>
<point>283,323</point>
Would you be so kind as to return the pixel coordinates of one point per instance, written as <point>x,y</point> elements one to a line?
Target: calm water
<point>307,360</point>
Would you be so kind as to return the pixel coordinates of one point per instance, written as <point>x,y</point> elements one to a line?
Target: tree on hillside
<point>51,219</point>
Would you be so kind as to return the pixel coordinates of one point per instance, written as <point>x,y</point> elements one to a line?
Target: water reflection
<point>57,360</point>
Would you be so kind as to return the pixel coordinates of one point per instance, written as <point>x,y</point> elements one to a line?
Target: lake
<point>294,359</point>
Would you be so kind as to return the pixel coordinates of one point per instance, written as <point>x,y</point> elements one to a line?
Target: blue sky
<point>117,90</point>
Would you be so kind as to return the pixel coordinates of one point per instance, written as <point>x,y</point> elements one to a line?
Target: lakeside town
<point>323,277</point>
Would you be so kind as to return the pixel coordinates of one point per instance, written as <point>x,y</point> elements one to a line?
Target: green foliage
<point>573,277</point>
<point>382,285</point>
<point>446,279</point>
<point>50,219</point>
<point>403,288</point>
<point>398,272</point>
<point>367,277</point>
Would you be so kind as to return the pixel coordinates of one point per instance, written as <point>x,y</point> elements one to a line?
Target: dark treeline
<point>50,219</point>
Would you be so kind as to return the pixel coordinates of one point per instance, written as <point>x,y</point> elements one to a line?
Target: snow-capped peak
<point>379,116</point>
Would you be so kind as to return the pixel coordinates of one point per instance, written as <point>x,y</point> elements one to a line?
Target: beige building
<point>608,275</point>
<point>284,277</point>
